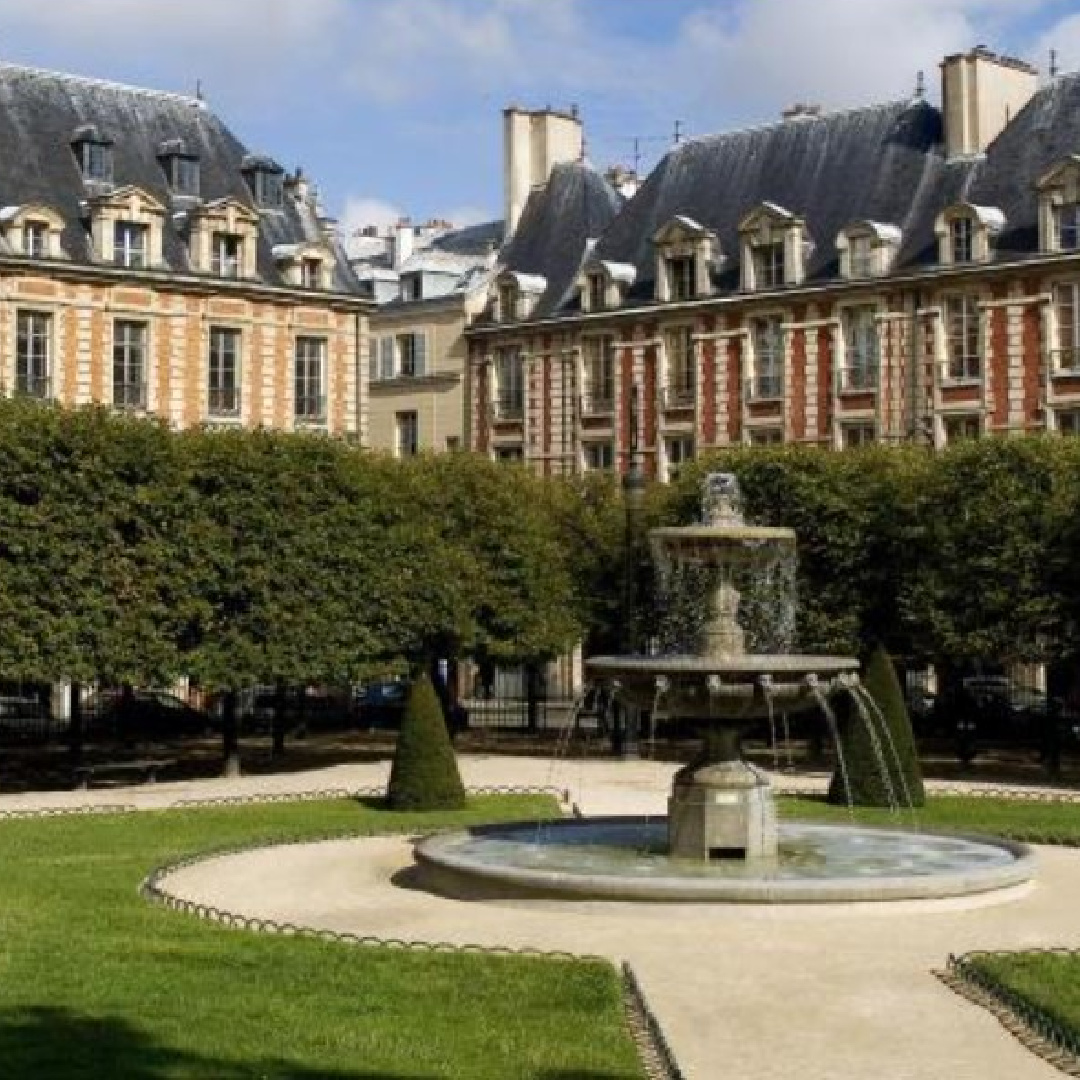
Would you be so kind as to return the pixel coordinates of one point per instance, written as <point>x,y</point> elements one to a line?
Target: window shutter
<point>419,354</point>
<point>373,359</point>
<point>386,357</point>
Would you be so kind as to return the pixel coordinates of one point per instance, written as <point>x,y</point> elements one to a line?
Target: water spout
<point>819,695</point>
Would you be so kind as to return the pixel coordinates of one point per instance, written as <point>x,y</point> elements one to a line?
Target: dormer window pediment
<point>603,284</point>
<point>965,233</point>
<point>1059,206</point>
<point>126,228</point>
<point>223,239</point>
<point>775,247</point>
<point>867,248</point>
<point>33,231</point>
<point>686,253</point>
<point>516,295</point>
<point>306,266</point>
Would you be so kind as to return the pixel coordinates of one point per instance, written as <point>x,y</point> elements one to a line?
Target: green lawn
<point>97,983</point>
<point>1050,981</point>
<point>1015,819</point>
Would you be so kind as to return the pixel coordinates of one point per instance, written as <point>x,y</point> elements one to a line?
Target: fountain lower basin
<point>625,859</point>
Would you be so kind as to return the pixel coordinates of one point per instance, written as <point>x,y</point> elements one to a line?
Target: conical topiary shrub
<point>424,775</point>
<point>868,785</point>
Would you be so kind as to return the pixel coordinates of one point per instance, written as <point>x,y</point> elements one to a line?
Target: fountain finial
<point>721,499</point>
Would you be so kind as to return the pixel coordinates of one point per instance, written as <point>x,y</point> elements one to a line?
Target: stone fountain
<point>725,664</point>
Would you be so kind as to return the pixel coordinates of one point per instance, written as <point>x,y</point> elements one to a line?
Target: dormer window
<point>508,302</point>
<point>685,253</point>
<point>130,244</point>
<point>603,284</point>
<point>1059,206</point>
<point>516,295</point>
<point>32,231</point>
<point>94,153</point>
<point>965,232</point>
<point>775,248</point>
<point>306,266</point>
<point>867,249</point>
<point>597,299</point>
<point>1067,226</point>
<point>266,179</point>
<point>311,273</point>
<point>183,173</point>
<point>227,255</point>
<point>36,239</point>
<point>412,286</point>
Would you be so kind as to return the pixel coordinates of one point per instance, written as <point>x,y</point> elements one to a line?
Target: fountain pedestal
<point>722,809</point>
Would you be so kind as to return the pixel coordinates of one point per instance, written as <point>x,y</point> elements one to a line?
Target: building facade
<point>897,272</point>
<point>150,262</point>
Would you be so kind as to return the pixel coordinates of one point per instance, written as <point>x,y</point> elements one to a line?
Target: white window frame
<point>509,368</point>
<point>130,360</point>
<point>131,244</point>
<point>1065,354</point>
<point>598,360</point>
<point>862,347</point>
<point>768,374</point>
<point>967,365</point>
<point>227,254</point>
<point>33,353</point>
<point>962,239</point>
<point>224,347</point>
<point>309,373</point>
<point>680,367</point>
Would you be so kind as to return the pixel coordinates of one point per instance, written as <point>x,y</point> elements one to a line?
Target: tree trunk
<point>277,729</point>
<point>230,734</point>
<point>76,727</point>
<point>532,697</point>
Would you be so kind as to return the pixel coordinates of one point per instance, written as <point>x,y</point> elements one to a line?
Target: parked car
<point>145,714</point>
<point>382,704</point>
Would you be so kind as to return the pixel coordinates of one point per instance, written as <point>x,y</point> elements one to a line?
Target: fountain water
<point>726,666</point>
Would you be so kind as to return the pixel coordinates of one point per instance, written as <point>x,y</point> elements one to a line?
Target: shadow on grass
<point>56,1044</point>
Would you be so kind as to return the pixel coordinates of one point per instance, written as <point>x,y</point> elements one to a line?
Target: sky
<point>393,107</point>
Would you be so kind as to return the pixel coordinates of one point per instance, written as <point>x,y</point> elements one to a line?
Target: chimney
<point>534,142</point>
<point>625,181</point>
<point>801,110</point>
<point>402,242</point>
<point>980,94</point>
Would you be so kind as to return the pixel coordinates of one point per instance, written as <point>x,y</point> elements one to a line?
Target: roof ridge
<point>752,129</point>
<point>105,84</point>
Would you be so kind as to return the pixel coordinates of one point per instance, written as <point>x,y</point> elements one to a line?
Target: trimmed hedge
<point>424,774</point>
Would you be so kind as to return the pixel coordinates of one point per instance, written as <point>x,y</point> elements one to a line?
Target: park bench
<point>143,771</point>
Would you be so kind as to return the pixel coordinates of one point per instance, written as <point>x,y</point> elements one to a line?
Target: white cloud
<point>362,210</point>
<point>1064,38</point>
<point>463,216</point>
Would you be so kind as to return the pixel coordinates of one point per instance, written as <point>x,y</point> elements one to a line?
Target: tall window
<point>861,346</point>
<point>962,428</point>
<point>412,355</point>
<point>962,338</point>
<point>855,435</point>
<point>130,243</point>
<point>1067,226</point>
<point>599,456</point>
<point>224,371</point>
<point>599,375</point>
<point>408,434</point>
<point>33,353</point>
<point>227,254</point>
<point>129,364</point>
<point>597,292</point>
<point>769,264</point>
<point>861,255</point>
<point>311,273</point>
<point>768,378</point>
<point>309,402</point>
<point>36,239</point>
<point>508,302</point>
<point>682,277</point>
<point>681,367</point>
<point>677,451</point>
<point>1066,352</point>
<point>510,380</point>
<point>962,239</point>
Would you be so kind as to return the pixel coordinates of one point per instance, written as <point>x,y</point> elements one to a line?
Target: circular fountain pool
<point>626,858</point>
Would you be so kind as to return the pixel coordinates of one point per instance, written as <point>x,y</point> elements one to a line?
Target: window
<point>224,372</point>
<point>33,353</point>
<point>386,358</point>
<point>855,435</point>
<point>962,338</point>
<point>962,239</point>
<point>1068,421</point>
<point>130,244</point>
<point>412,355</point>
<point>766,436</point>
<point>597,292</point>
<point>311,273</point>
<point>408,434</point>
<point>599,354</point>
<point>226,254</point>
<point>769,264</point>
<point>510,380</point>
<point>682,277</point>
<point>95,159</point>
<point>960,428</point>
<point>183,174</point>
<point>860,252</point>
<point>1066,352</point>
<point>129,364</point>
<point>309,403</point>
<point>36,239</point>
<point>768,377</point>
<point>1067,226</point>
<point>508,302</point>
<point>267,188</point>
<point>599,456</point>
<point>681,367</point>
<point>509,454</point>
<point>677,451</point>
<point>412,286</point>
<point>861,346</point>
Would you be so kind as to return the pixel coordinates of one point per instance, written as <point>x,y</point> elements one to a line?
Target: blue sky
<point>394,106</point>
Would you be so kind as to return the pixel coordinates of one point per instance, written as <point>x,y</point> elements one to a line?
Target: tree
<point>424,774</point>
<point>878,746</point>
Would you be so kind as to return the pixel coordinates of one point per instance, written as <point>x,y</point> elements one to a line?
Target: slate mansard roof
<point>884,163</point>
<point>40,113</point>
